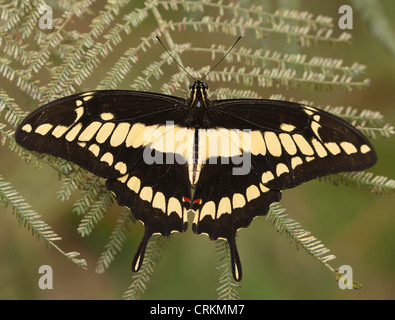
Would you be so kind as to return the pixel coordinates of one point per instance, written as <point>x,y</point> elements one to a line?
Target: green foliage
<point>153,254</point>
<point>107,47</point>
<point>227,289</point>
<point>296,234</point>
<point>29,219</point>
<point>116,240</point>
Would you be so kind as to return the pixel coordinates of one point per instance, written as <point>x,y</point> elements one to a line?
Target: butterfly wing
<point>110,133</point>
<point>281,144</point>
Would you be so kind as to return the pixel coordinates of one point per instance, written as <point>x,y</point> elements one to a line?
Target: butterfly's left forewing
<point>102,131</point>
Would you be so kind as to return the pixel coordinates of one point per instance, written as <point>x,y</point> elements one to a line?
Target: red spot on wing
<point>197,201</point>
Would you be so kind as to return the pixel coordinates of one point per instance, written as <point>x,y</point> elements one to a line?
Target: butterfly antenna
<point>221,58</point>
<point>179,64</point>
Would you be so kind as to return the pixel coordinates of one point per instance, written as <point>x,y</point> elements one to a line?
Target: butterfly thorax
<point>198,105</point>
<point>198,98</point>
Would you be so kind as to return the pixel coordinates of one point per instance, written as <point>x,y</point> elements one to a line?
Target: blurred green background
<point>357,226</point>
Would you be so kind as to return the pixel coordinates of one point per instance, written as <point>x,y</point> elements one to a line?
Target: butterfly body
<point>237,154</point>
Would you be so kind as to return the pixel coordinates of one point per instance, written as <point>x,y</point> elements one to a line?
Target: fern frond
<point>92,189</point>
<point>361,179</point>
<point>14,114</point>
<point>331,67</point>
<point>29,219</point>
<point>385,131</point>
<point>298,235</point>
<point>71,184</point>
<point>83,60</point>
<point>96,213</point>
<point>227,289</point>
<point>117,238</point>
<point>23,82</point>
<point>287,77</point>
<point>155,248</point>
<point>305,35</point>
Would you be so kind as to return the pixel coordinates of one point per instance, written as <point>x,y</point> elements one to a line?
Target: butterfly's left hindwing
<point>155,195</point>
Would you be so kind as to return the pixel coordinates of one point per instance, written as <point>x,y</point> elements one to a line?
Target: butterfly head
<point>198,96</point>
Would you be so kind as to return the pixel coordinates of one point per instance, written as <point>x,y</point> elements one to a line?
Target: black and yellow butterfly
<point>238,154</point>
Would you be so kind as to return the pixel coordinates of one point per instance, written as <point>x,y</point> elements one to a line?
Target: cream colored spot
<point>146,194</point>
<point>80,112</point>
<point>263,188</point>
<point>59,131</point>
<point>94,148</point>
<point>27,128</point>
<point>159,201</point>
<point>348,147</point>
<point>224,206</point>
<point>78,103</point>
<point>105,131</point>
<point>273,144</point>
<point>296,161</point>
<point>82,144</point>
<point>89,93</point>
<point>123,178</point>
<point>107,157</point>
<point>257,143</point>
<point>252,192</point>
<point>106,116</point>
<point>287,127</point>
<point>319,148</point>
<point>288,143</point>
<point>281,168</point>
<point>72,134</point>
<point>333,148</point>
<point>87,98</point>
<point>365,149</point>
<point>121,167</point>
<point>236,271</point>
<point>135,136</point>
<point>89,131</point>
<point>238,201</point>
<point>310,108</point>
<point>134,184</point>
<point>174,206</point>
<point>119,134</point>
<point>43,129</point>
<point>308,159</point>
<point>208,210</point>
<point>303,145</point>
<point>315,126</point>
<point>267,176</point>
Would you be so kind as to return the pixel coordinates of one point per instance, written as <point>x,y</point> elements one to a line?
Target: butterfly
<point>226,160</point>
